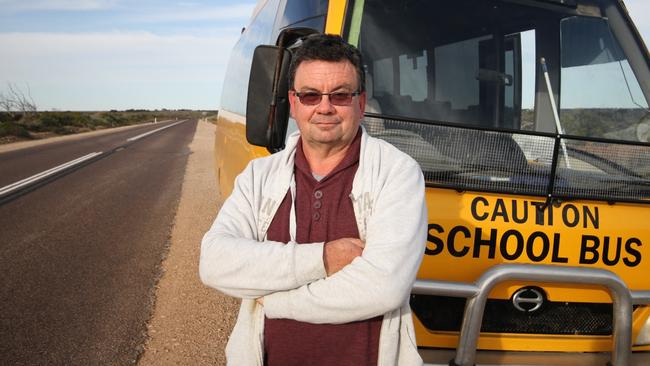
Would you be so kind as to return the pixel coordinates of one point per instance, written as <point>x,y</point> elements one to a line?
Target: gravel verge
<point>191,323</point>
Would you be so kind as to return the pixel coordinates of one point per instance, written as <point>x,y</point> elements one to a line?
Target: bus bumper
<point>443,357</point>
<point>623,299</point>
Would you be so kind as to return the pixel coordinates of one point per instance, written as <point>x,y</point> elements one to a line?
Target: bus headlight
<point>643,338</point>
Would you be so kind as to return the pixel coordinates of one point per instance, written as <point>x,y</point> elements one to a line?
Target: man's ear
<point>292,102</point>
<point>362,103</point>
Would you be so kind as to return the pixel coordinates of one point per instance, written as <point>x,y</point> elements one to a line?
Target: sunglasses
<point>336,98</point>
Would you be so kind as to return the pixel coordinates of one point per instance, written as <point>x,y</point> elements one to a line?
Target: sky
<point>132,54</point>
<point>119,54</point>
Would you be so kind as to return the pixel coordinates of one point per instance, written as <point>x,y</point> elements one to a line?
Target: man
<point>322,240</point>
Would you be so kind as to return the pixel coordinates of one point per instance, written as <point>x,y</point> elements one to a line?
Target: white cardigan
<point>390,210</point>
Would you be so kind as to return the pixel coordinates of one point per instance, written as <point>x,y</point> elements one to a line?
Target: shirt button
<point>318,194</point>
<point>316,216</point>
<point>317,204</point>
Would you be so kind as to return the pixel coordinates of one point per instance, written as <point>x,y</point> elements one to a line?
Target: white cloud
<point>226,12</point>
<point>35,5</point>
<point>117,70</point>
<point>64,56</point>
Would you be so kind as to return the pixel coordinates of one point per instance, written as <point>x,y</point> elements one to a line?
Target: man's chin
<point>326,133</point>
<point>326,126</point>
<point>325,138</point>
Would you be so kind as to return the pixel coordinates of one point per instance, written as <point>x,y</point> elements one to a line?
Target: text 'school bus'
<point>530,121</point>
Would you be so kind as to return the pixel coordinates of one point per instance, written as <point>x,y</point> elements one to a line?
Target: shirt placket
<point>317,204</point>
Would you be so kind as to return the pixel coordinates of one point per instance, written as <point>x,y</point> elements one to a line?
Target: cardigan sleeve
<point>235,262</point>
<point>380,279</point>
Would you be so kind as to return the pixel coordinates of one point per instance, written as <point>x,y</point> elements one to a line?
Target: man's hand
<point>339,253</point>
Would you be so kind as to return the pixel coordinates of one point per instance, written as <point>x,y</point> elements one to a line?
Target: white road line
<point>154,131</point>
<point>36,177</point>
<point>42,174</point>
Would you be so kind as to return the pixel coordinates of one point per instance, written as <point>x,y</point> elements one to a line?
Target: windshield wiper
<point>556,116</point>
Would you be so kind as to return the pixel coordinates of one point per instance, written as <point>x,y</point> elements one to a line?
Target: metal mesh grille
<point>599,169</point>
<point>520,163</point>
<point>442,313</point>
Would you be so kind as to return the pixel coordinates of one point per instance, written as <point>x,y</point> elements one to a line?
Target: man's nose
<point>325,106</point>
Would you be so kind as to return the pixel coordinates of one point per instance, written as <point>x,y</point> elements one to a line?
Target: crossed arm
<point>334,282</point>
<point>336,255</point>
<point>236,263</point>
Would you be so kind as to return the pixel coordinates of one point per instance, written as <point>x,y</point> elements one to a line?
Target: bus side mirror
<point>267,107</point>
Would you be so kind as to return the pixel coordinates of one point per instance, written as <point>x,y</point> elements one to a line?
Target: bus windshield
<point>458,85</point>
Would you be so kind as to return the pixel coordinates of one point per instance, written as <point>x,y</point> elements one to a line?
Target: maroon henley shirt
<point>324,213</point>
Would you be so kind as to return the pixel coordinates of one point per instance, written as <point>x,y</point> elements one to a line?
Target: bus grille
<point>443,313</point>
<point>530,163</point>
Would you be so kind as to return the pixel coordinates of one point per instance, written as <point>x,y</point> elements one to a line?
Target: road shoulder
<point>190,323</point>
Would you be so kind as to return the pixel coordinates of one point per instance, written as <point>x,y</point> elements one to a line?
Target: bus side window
<point>600,96</point>
<point>520,66</point>
<point>300,14</point>
<point>303,13</point>
<point>239,66</point>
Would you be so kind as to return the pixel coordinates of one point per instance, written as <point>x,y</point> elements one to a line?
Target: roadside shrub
<point>31,125</point>
<point>12,129</point>
<point>65,130</point>
<point>60,119</point>
<point>10,117</point>
<point>113,119</point>
<point>51,120</point>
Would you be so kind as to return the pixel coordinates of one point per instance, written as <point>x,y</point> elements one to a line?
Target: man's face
<point>325,123</point>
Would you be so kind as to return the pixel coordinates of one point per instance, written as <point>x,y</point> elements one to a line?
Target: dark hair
<point>327,47</point>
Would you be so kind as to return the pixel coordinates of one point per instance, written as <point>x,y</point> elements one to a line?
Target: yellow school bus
<point>530,121</point>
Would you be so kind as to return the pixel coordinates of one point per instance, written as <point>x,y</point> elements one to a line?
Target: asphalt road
<point>80,255</point>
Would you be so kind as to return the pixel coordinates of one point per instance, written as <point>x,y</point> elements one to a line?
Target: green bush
<point>65,130</point>
<point>5,117</point>
<point>60,119</point>
<point>13,129</point>
<point>10,117</point>
<point>113,119</point>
